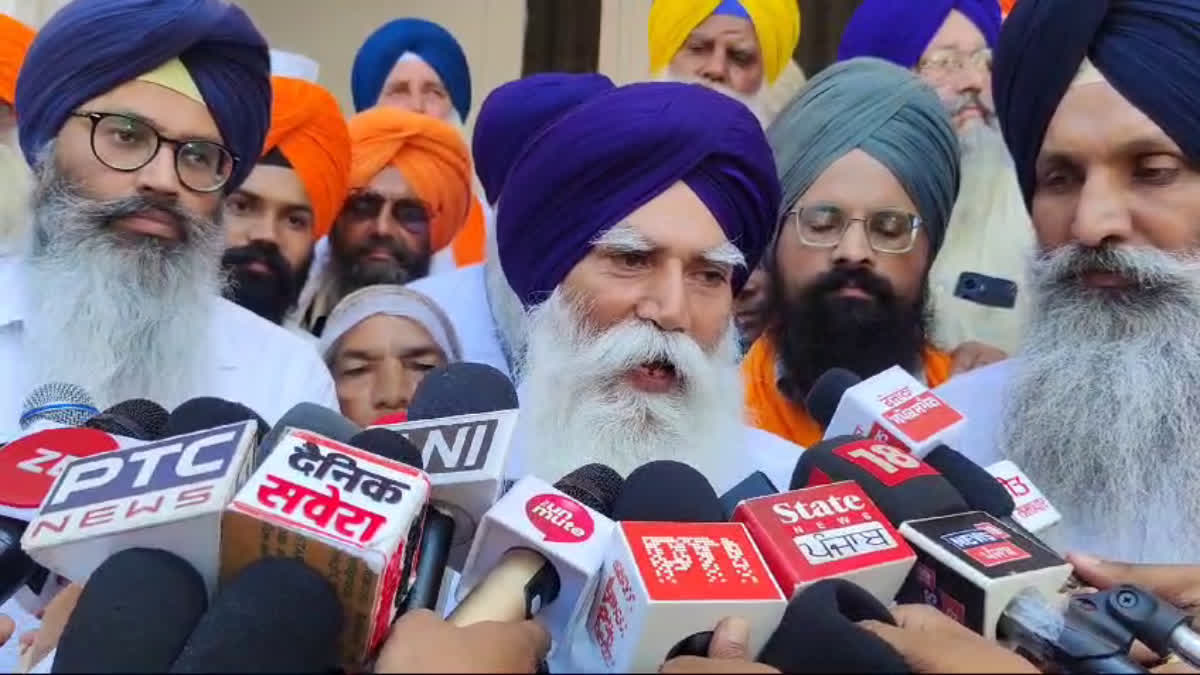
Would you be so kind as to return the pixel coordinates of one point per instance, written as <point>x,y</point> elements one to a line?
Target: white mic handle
<point>513,590</point>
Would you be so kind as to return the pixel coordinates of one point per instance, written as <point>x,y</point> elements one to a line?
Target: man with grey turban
<point>1099,406</point>
<point>869,168</point>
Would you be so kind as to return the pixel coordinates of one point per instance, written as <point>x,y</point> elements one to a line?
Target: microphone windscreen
<point>65,404</point>
<point>389,444</point>
<point>138,418</point>
<point>667,491</point>
<point>462,388</point>
<point>134,614</point>
<point>818,633</point>
<point>825,394</point>
<point>206,412</point>
<point>276,615</point>
<point>979,488</point>
<point>594,485</point>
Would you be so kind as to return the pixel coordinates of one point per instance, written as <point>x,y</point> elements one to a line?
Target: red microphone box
<point>352,516</point>
<point>664,582</point>
<point>826,532</point>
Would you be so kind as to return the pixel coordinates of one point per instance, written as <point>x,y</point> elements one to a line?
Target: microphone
<point>310,417</point>
<point>55,405</point>
<point>819,633</point>
<point>16,567</point>
<point>756,485</point>
<point>462,418</point>
<point>670,574</point>
<point>538,551</point>
<point>167,494</point>
<point>274,616</point>
<point>1031,509</point>
<point>827,532</point>
<point>207,412</point>
<point>134,614</point>
<point>137,418</point>
<point>351,515</point>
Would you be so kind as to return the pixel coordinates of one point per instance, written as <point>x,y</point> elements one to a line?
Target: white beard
<point>14,197</point>
<point>579,408</point>
<point>507,310</point>
<point>1105,406</point>
<point>758,102</point>
<point>118,316</point>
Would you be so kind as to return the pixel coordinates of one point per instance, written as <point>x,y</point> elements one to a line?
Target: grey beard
<point>579,410</point>
<point>1104,413</point>
<point>507,310</point>
<point>121,316</point>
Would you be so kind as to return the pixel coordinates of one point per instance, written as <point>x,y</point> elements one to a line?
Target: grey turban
<point>884,110</point>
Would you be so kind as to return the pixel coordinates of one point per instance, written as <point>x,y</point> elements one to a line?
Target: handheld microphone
<point>462,418</point>
<point>137,418</point>
<point>670,574</point>
<point>351,515</point>
<point>1031,509</point>
<point>167,494</point>
<point>207,412</point>
<point>310,417</point>
<point>134,614</point>
<point>538,551</point>
<point>55,405</point>
<point>757,484</point>
<point>274,616</point>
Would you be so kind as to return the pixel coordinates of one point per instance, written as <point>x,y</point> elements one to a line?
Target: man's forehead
<point>391,183</point>
<point>168,111</point>
<point>277,183</point>
<point>721,25</point>
<point>677,219</point>
<point>1096,118</point>
<point>410,66</point>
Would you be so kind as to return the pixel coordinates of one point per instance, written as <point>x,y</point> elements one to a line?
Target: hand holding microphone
<point>420,642</point>
<point>931,642</point>
<point>729,652</point>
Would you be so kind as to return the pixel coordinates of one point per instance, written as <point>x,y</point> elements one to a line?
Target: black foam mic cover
<point>594,485</point>
<point>206,412</point>
<point>134,614</point>
<point>138,418</point>
<point>462,388</point>
<point>827,392</point>
<point>669,491</point>
<point>979,488</point>
<point>819,633</point>
<point>276,615</point>
<point>387,443</point>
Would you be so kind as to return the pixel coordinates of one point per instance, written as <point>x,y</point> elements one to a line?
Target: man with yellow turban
<point>15,38</point>
<point>410,191</point>
<point>288,201</point>
<point>738,47</point>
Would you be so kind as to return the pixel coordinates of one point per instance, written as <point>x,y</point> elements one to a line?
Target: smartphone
<point>990,291</point>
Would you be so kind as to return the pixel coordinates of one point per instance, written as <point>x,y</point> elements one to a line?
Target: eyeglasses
<point>823,226</point>
<point>411,214</point>
<point>944,62</point>
<point>126,143</point>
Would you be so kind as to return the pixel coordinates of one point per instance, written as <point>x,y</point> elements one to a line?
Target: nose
<point>159,177</point>
<point>382,225</point>
<point>715,67</point>
<point>665,300</point>
<point>854,248</point>
<point>263,229</point>
<point>1101,216</point>
<point>393,388</point>
<point>971,79</point>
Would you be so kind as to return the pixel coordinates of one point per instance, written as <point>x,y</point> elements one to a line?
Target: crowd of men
<point>1006,207</point>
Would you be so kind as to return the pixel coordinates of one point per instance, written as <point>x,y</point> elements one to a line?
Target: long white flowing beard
<point>580,408</point>
<point>122,318</point>
<point>507,310</point>
<point>1104,413</point>
<point>15,185</point>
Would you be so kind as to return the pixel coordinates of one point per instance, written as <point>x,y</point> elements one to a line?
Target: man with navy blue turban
<point>626,227</point>
<point>138,117</point>
<point>414,64</point>
<point>1098,104</point>
<point>977,286</point>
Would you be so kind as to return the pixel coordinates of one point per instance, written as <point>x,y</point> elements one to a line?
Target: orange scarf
<point>469,244</point>
<point>771,411</point>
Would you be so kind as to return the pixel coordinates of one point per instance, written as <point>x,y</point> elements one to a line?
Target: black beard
<point>815,330</point>
<point>355,272</point>
<point>269,297</point>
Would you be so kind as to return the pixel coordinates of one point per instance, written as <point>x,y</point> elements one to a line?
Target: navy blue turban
<point>434,44</point>
<point>607,157</point>
<point>89,47</point>
<point>1148,50</point>
<point>515,111</point>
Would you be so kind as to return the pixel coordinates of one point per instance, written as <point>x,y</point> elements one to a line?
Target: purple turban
<point>90,47</point>
<point>607,157</point>
<point>514,112</point>
<point>900,30</point>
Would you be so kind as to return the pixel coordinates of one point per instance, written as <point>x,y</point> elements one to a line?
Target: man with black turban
<point>138,117</point>
<point>1098,104</point>
<point>626,227</point>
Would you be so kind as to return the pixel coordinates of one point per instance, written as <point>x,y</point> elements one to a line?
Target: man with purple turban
<point>626,227</point>
<point>138,117</point>
<point>977,285</point>
<point>1098,104</point>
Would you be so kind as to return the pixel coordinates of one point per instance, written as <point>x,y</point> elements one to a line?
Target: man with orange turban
<point>288,201</point>
<point>410,191</point>
<point>15,38</point>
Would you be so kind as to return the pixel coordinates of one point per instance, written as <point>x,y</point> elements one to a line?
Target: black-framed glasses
<point>824,225</point>
<point>126,143</point>
<point>411,214</point>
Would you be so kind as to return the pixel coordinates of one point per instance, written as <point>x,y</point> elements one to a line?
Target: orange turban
<point>15,38</point>
<point>430,153</point>
<point>308,129</point>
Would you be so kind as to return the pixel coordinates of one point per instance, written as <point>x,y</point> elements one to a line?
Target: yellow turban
<point>776,22</point>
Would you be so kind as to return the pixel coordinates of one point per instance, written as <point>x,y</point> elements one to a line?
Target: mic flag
<point>352,516</point>
<point>1031,510</point>
<point>30,465</point>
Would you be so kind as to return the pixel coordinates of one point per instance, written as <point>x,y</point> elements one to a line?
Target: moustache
<point>110,211</point>
<point>968,100</point>
<point>398,251</point>
<point>264,252</point>
<point>1146,267</point>
<point>857,277</point>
